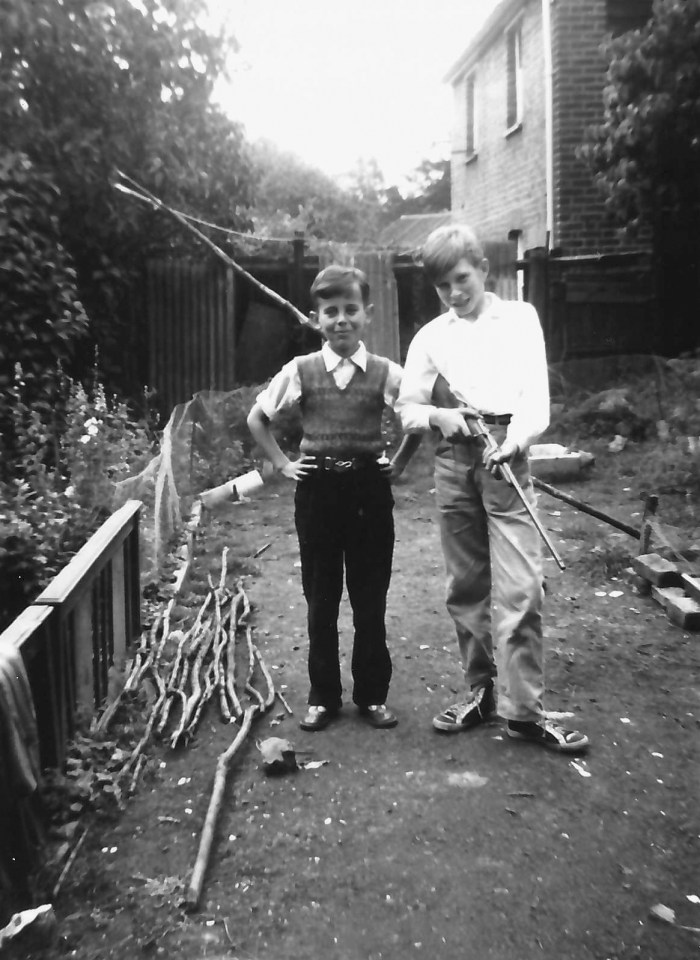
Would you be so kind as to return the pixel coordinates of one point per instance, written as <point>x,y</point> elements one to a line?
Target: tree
<point>645,155</point>
<point>292,194</point>
<point>428,189</point>
<point>87,88</point>
<point>42,318</point>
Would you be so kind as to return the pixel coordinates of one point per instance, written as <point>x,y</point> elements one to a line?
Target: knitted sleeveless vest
<point>345,422</point>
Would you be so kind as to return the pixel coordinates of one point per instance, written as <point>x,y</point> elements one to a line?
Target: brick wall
<point>578,75</point>
<point>503,187</point>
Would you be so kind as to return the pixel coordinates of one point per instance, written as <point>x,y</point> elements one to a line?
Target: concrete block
<point>667,595</point>
<point>691,585</point>
<point>657,570</point>
<point>685,613</point>
<point>680,609</point>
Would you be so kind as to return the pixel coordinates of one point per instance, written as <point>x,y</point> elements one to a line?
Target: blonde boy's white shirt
<point>284,390</point>
<point>496,363</point>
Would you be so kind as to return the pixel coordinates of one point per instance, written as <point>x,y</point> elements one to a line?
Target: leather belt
<point>344,465</point>
<point>496,419</point>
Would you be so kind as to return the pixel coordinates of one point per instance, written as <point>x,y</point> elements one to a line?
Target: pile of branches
<point>214,659</point>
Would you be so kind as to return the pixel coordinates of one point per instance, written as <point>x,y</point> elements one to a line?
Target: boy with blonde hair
<point>485,357</point>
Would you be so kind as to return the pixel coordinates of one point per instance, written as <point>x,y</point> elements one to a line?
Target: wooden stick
<point>584,507</point>
<point>231,657</point>
<point>142,193</point>
<point>194,891</point>
<point>251,667</point>
<point>283,702</point>
<point>651,502</point>
<point>69,863</point>
<point>270,699</point>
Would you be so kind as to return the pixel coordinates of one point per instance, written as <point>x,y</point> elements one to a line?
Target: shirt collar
<point>333,359</point>
<point>491,306</point>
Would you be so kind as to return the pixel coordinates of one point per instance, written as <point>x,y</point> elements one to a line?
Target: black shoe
<point>317,717</point>
<point>378,715</point>
<point>468,713</point>
<point>549,735</point>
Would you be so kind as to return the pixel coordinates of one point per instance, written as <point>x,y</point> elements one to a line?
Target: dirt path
<point>408,843</point>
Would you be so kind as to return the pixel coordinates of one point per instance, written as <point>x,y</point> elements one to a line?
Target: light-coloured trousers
<point>494,576</point>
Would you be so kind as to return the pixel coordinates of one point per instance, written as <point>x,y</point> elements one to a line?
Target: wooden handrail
<point>101,546</point>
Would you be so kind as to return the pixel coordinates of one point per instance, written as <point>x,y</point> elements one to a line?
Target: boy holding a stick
<point>485,358</point>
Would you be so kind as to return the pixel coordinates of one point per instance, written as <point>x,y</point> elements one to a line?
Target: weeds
<point>58,482</point>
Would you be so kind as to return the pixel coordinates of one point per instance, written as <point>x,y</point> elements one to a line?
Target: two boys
<point>483,357</point>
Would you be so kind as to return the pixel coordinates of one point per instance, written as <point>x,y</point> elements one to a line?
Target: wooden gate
<point>595,305</point>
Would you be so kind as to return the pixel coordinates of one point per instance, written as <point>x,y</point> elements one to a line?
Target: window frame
<point>514,75</point>
<point>471,139</point>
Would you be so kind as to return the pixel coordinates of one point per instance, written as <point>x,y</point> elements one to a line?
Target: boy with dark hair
<point>485,357</point>
<point>343,500</point>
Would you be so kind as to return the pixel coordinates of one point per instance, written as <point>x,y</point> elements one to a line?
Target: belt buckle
<point>342,466</point>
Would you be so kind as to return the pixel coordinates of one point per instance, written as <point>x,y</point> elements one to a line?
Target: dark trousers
<point>345,520</point>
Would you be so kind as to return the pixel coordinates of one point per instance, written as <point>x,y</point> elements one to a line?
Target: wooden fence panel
<point>594,306</point>
<point>383,332</point>
<point>191,319</point>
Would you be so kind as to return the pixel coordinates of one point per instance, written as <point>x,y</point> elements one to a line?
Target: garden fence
<point>69,638</point>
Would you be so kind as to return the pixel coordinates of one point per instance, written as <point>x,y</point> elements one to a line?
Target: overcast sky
<point>336,81</point>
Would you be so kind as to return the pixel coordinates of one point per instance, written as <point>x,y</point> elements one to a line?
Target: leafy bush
<point>42,317</point>
<point>58,487</point>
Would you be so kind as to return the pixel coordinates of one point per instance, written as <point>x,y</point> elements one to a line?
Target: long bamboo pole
<point>141,193</point>
<point>584,507</point>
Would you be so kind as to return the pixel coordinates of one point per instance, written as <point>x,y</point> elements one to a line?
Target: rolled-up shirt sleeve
<point>284,390</point>
<point>393,384</point>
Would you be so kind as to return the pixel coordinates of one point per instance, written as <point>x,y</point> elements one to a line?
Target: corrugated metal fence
<point>191,329</point>
<point>199,322</point>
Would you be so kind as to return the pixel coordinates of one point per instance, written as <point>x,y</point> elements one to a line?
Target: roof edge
<point>503,13</point>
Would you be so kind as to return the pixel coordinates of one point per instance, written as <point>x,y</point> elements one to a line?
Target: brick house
<point>525,90</point>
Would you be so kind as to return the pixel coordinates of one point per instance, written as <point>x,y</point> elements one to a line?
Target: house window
<point>624,15</point>
<point>471,116</point>
<point>514,70</point>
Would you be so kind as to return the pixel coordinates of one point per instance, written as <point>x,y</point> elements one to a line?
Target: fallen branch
<point>69,863</point>
<point>194,891</point>
<point>283,702</point>
<point>251,668</point>
<point>231,658</point>
<point>270,699</point>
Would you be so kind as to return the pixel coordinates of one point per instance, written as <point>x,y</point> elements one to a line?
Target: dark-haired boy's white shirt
<point>284,390</point>
<point>495,363</point>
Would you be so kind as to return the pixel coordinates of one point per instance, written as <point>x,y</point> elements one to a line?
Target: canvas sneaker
<point>468,713</point>
<point>551,736</point>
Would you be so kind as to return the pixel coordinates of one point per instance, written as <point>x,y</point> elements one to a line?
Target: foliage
<point>293,195</point>
<point>428,191</point>
<point>149,68</point>
<point>646,153</point>
<point>42,315</point>
<point>59,486</point>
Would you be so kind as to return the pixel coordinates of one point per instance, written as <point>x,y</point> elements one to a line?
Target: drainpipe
<point>548,122</point>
